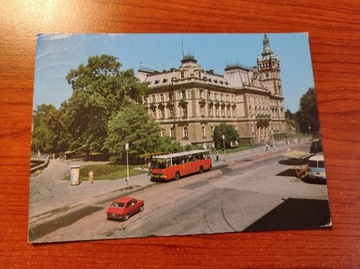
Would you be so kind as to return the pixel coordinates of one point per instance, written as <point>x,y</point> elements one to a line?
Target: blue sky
<point>56,54</point>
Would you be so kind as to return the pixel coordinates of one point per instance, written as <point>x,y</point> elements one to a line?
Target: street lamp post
<point>127,162</point>
<point>223,138</point>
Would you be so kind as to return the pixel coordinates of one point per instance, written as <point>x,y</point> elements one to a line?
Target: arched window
<point>184,112</point>
<point>171,112</point>
<point>211,112</point>
<point>186,132</point>
<point>162,113</point>
<point>217,111</point>
<point>183,95</point>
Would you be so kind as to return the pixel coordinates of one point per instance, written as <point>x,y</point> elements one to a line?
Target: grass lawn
<point>243,147</point>
<point>108,172</point>
<point>239,148</point>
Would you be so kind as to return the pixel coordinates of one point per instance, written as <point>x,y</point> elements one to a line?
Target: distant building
<point>189,102</point>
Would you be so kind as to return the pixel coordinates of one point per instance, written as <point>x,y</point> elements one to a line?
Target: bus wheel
<point>201,170</point>
<point>177,175</point>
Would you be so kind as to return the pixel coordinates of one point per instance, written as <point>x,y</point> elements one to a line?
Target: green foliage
<point>58,123</point>
<point>242,148</point>
<point>103,113</point>
<point>289,115</point>
<point>307,115</point>
<point>230,134</point>
<point>102,76</point>
<point>42,134</point>
<point>166,144</point>
<point>132,125</point>
<point>100,91</point>
<point>189,147</point>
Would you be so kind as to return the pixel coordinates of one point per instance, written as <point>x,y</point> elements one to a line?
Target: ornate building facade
<point>189,102</point>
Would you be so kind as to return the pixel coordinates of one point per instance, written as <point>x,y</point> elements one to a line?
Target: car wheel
<point>141,209</point>
<point>126,217</point>
<point>201,170</point>
<point>177,175</point>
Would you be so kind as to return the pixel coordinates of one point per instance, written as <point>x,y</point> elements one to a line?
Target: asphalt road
<point>250,192</point>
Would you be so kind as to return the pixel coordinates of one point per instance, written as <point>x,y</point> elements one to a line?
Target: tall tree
<point>289,115</point>
<point>132,125</point>
<point>60,126</point>
<point>307,115</point>
<point>100,90</point>
<point>227,132</point>
<point>167,144</point>
<point>42,134</point>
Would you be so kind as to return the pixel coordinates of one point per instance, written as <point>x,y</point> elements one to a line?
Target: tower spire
<point>266,46</point>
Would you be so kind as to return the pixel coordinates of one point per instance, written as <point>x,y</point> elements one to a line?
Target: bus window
<point>161,164</point>
<point>158,163</point>
<point>154,163</point>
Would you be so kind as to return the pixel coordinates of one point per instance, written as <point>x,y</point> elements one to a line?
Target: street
<point>250,192</point>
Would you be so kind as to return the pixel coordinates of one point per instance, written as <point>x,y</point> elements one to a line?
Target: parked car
<point>316,146</point>
<point>124,207</point>
<point>317,167</point>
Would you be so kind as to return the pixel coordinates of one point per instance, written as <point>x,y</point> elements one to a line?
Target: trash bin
<point>74,175</point>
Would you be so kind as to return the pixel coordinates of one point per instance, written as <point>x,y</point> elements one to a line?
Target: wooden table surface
<point>334,31</point>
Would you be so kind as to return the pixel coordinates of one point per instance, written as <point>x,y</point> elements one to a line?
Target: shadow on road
<point>43,229</point>
<point>294,214</point>
<point>292,173</point>
<point>293,161</point>
<point>287,173</point>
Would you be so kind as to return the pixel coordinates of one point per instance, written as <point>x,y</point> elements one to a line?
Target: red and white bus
<point>176,165</point>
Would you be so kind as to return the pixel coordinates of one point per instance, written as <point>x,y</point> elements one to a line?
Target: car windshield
<point>117,204</point>
<point>316,164</point>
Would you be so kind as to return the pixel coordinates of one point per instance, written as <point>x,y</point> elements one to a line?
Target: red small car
<point>124,207</point>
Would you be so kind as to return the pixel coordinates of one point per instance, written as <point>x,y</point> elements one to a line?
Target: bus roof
<point>179,154</point>
<point>152,154</point>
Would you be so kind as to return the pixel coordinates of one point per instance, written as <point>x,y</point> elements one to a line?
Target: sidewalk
<point>50,194</point>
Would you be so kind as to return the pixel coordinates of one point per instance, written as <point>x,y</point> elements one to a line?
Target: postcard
<point>142,135</point>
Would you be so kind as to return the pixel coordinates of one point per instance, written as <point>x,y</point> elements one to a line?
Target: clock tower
<point>269,69</point>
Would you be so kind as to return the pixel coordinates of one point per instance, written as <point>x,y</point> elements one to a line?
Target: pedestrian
<point>267,147</point>
<point>149,168</point>
<point>217,156</point>
<point>91,176</point>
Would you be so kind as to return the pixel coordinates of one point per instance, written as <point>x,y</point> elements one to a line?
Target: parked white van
<point>316,168</point>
